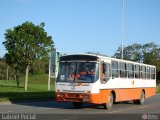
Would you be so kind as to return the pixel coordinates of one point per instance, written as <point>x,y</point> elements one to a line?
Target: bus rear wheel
<point>109,103</point>
<point>141,100</point>
<point>77,104</point>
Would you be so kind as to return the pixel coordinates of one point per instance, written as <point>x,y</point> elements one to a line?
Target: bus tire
<point>109,104</point>
<point>141,100</point>
<point>77,104</point>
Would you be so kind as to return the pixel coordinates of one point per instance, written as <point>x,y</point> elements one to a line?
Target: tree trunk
<point>49,83</point>
<point>7,73</point>
<point>26,78</point>
<point>17,78</point>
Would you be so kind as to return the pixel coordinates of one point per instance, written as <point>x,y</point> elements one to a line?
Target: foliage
<point>131,52</point>
<point>158,89</point>
<point>25,44</point>
<point>39,67</point>
<point>2,69</point>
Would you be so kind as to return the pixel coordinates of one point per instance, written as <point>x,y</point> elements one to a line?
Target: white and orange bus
<point>103,80</point>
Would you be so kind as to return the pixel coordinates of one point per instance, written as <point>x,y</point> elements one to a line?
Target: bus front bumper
<point>73,97</point>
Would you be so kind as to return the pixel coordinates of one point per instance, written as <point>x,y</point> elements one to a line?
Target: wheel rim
<point>110,101</point>
<point>142,98</point>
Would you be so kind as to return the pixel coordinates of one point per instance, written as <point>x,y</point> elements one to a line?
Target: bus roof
<point>95,57</point>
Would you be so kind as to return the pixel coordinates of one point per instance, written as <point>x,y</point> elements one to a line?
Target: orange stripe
<point>121,94</point>
<point>101,97</point>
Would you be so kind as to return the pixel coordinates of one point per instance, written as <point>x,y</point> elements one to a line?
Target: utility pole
<point>122,42</point>
<point>49,74</point>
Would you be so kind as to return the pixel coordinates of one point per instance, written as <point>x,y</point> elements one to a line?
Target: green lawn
<point>37,89</point>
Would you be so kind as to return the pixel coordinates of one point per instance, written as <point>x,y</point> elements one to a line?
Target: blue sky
<point>79,26</point>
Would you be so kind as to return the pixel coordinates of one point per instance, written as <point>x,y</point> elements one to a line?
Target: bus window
<point>153,71</point>
<point>123,69</point>
<point>105,73</point>
<point>78,71</point>
<point>148,73</point>
<point>115,70</point>
<point>130,70</point>
<point>143,72</point>
<point>137,71</point>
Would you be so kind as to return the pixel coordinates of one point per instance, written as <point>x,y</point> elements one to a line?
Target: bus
<point>103,80</point>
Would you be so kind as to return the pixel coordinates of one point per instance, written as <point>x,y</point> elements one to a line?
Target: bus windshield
<point>78,72</point>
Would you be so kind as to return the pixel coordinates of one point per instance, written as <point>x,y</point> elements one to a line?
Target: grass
<point>158,89</point>
<point>37,89</point>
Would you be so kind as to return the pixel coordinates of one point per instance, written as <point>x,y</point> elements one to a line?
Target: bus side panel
<point>127,94</point>
<point>132,93</point>
<point>121,94</point>
<point>101,97</point>
<point>150,92</point>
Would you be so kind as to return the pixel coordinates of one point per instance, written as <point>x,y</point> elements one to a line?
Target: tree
<point>13,62</point>
<point>39,67</point>
<point>2,69</point>
<point>151,55</point>
<point>131,52</point>
<point>25,43</point>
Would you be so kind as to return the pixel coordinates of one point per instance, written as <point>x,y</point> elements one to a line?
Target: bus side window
<point>115,69</point>
<point>123,69</point>
<point>130,70</point>
<point>143,72</point>
<point>105,72</point>
<point>153,73</point>
<point>137,71</point>
<point>148,73</point>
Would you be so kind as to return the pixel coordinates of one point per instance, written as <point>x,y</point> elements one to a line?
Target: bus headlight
<point>86,98</point>
<point>60,95</point>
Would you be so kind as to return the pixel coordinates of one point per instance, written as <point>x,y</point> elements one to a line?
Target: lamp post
<point>122,27</point>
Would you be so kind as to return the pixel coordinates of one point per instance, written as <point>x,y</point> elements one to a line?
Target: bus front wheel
<point>141,100</point>
<point>109,103</point>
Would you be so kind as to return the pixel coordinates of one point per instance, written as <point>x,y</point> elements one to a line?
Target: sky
<point>79,26</point>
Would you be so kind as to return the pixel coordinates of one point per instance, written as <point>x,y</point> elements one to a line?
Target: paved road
<point>151,106</point>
